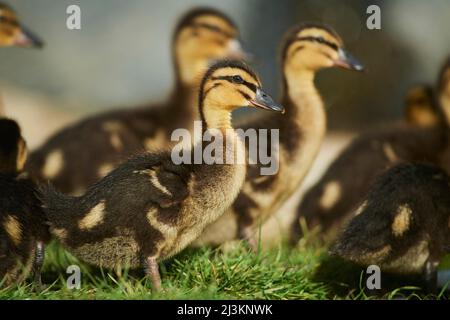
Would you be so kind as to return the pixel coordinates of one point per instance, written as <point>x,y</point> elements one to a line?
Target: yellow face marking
<point>316,32</point>
<point>13,229</point>
<point>94,217</point>
<point>331,195</point>
<point>112,126</point>
<point>402,220</point>
<point>104,169</point>
<point>218,22</point>
<point>53,165</point>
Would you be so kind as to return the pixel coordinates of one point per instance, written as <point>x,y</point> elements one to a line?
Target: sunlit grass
<point>306,272</point>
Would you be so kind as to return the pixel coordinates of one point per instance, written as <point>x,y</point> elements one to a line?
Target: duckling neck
<point>305,116</point>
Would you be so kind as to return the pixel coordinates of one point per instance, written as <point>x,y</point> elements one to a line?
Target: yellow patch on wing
<point>389,152</point>
<point>116,141</point>
<point>13,229</point>
<point>60,233</point>
<point>53,164</point>
<point>155,181</point>
<point>361,208</point>
<point>376,256</point>
<point>402,220</point>
<point>104,169</point>
<point>94,217</point>
<point>167,230</point>
<point>331,195</point>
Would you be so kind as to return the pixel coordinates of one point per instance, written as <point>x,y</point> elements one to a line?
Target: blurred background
<point>121,58</point>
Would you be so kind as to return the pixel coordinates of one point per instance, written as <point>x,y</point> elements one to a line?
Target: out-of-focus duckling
<point>421,107</point>
<point>306,49</point>
<point>201,37</point>
<point>23,231</point>
<point>13,33</point>
<point>328,204</point>
<point>403,225</point>
<point>148,208</point>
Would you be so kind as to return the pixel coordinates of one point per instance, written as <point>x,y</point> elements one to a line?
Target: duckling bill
<point>13,33</point>
<point>148,208</point>
<point>403,224</point>
<point>23,231</point>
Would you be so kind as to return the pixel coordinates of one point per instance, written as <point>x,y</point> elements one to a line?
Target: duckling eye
<point>320,40</point>
<point>238,79</point>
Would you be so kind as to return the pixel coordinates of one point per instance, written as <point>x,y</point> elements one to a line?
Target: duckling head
<point>312,47</point>
<point>12,33</point>
<point>420,106</point>
<point>13,151</point>
<point>202,37</point>
<point>228,85</point>
<point>444,89</point>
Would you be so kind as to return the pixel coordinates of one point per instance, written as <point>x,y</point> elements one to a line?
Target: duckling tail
<point>55,204</point>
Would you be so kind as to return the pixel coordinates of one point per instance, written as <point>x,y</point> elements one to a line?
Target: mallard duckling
<point>328,204</point>
<point>202,36</point>
<point>13,33</point>
<point>148,208</point>
<point>403,224</point>
<point>306,49</point>
<point>421,107</point>
<point>23,231</point>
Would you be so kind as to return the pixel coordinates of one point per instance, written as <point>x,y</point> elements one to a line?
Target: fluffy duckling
<point>202,36</point>
<point>23,231</point>
<point>328,204</point>
<point>421,107</point>
<point>403,225</point>
<point>148,208</point>
<point>13,33</point>
<point>306,49</point>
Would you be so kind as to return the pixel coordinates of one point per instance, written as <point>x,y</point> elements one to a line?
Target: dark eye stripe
<point>212,28</point>
<point>297,49</point>
<point>246,96</point>
<point>330,44</point>
<point>215,85</point>
<point>9,21</point>
<point>249,85</point>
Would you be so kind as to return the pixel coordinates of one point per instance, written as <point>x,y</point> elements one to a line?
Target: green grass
<point>301,273</point>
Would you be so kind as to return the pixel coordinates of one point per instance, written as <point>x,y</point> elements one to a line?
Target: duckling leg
<point>246,234</point>
<point>152,271</point>
<point>38,262</point>
<point>430,276</point>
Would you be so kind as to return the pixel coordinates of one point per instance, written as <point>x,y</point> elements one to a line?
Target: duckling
<point>13,33</point>
<point>403,223</point>
<point>148,209</point>
<point>202,36</point>
<point>307,49</point>
<point>23,231</point>
<point>421,107</point>
<point>327,205</point>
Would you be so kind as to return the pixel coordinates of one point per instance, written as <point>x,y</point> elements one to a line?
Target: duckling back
<point>403,223</point>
